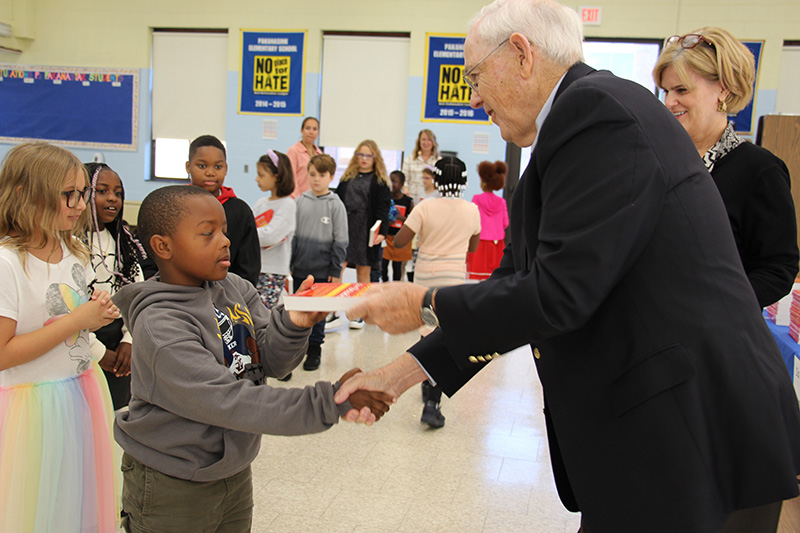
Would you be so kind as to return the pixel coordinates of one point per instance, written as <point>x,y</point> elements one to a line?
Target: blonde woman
<point>705,75</point>
<point>425,154</point>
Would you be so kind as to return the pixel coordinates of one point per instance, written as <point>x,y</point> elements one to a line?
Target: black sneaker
<point>426,390</point>
<point>432,415</point>
<point>312,357</point>
<point>287,377</point>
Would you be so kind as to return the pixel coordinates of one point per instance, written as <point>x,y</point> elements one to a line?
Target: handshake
<point>377,402</point>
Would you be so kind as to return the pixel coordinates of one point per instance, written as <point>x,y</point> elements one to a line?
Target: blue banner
<point>446,95</point>
<point>272,74</point>
<point>89,107</point>
<point>743,120</point>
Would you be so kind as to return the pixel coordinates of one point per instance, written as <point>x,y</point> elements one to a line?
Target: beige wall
<point>116,33</point>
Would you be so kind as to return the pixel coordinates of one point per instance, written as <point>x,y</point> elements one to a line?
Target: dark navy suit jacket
<point>667,402</point>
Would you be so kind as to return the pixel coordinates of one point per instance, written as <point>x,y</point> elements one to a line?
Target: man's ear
<point>161,246</point>
<point>524,54</point>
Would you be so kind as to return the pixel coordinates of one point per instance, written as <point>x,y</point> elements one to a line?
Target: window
<point>188,93</point>
<point>632,59</point>
<point>364,89</point>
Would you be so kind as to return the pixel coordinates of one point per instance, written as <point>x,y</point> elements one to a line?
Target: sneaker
<point>432,415</point>
<point>357,323</point>
<point>287,377</point>
<point>312,358</point>
<point>332,321</point>
<point>426,390</point>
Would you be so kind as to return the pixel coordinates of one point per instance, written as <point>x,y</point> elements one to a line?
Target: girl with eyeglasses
<point>59,468</point>
<point>364,190</point>
<point>706,75</point>
<point>116,257</point>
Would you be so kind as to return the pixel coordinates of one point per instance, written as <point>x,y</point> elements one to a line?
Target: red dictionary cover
<point>327,297</point>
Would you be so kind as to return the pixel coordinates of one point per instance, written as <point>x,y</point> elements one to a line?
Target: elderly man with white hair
<point>666,410</point>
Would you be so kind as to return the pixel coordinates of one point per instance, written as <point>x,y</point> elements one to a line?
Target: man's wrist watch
<point>428,314</point>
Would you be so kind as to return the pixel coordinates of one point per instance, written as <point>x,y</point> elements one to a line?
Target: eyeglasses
<point>365,156</point>
<point>689,41</point>
<point>73,196</point>
<point>473,83</point>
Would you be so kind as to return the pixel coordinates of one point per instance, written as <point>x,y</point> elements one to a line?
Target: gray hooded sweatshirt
<point>200,360</point>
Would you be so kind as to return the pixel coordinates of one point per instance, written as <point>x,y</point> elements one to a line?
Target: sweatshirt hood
<point>490,203</point>
<point>225,194</point>
<point>136,297</point>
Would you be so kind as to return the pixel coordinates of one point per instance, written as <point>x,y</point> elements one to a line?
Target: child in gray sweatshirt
<point>203,347</point>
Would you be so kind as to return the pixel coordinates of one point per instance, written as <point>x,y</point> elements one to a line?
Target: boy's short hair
<point>206,140</point>
<point>162,210</point>
<point>399,174</point>
<point>323,163</point>
<point>429,171</point>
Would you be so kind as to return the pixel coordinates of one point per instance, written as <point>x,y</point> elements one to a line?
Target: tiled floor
<point>486,470</point>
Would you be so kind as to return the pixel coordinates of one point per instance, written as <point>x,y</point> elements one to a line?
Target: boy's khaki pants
<point>156,502</point>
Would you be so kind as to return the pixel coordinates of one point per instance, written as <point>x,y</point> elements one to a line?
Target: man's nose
<point>475,100</point>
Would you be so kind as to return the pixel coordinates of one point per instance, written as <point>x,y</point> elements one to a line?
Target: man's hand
<point>393,380</point>
<point>377,402</point>
<point>394,307</point>
<point>306,319</point>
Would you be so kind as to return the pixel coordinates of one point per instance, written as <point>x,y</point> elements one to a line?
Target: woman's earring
<point>722,107</point>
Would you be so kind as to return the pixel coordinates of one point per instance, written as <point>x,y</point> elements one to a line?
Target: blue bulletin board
<point>74,106</point>
<point>273,68</point>
<point>445,95</point>
<point>743,120</point>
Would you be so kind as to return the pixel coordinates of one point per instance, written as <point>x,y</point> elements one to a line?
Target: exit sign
<point>591,16</point>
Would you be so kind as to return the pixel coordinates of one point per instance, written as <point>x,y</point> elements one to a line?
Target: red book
<point>327,297</point>
<point>401,210</point>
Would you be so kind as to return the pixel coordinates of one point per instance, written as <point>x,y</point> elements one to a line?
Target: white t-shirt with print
<point>36,296</point>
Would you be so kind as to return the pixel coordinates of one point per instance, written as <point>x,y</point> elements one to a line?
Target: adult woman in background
<point>705,75</point>
<point>301,152</point>
<point>425,153</point>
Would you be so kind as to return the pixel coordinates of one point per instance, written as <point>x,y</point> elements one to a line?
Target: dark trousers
<point>397,270</point>
<point>120,388</point>
<point>762,519</point>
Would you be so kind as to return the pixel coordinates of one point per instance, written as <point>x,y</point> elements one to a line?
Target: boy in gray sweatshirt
<point>320,240</point>
<point>203,346</point>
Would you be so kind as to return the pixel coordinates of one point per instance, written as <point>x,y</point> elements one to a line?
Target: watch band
<point>426,312</point>
<point>427,300</point>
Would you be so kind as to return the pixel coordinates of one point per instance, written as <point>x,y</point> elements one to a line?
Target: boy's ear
<point>187,168</point>
<point>161,246</point>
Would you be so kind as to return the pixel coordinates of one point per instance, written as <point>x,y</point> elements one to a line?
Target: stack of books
<point>794,316</point>
<point>771,312</point>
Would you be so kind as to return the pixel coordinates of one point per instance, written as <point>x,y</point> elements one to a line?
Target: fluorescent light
<point>5,30</point>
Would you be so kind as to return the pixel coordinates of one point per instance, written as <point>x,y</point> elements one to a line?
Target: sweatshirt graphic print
<point>239,346</point>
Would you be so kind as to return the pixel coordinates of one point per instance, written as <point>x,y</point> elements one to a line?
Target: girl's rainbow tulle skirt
<point>59,464</point>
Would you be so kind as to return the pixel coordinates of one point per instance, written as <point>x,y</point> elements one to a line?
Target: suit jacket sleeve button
<point>536,353</point>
